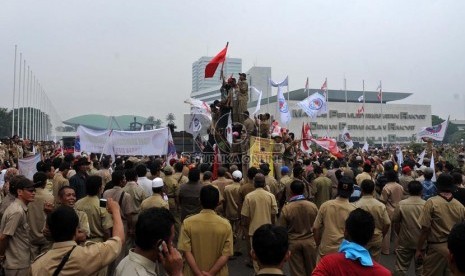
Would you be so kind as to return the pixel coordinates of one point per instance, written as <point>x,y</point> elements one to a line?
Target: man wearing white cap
<point>156,200</point>
<point>231,202</point>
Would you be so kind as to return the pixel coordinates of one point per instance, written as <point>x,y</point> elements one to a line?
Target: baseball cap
<point>168,169</point>
<point>237,174</point>
<point>284,169</point>
<point>406,169</point>
<point>345,186</point>
<point>157,182</point>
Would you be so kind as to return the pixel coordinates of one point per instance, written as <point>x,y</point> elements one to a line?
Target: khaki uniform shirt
<point>221,183</point>
<point>15,225</point>
<point>440,215</point>
<point>135,264</point>
<point>172,190</point>
<point>206,228</point>
<point>99,219</point>
<point>58,181</point>
<point>379,213</point>
<point>297,217</point>
<point>156,200</point>
<point>331,220</point>
<point>407,214</point>
<point>138,195</point>
<point>84,260</point>
<point>362,176</point>
<point>83,222</point>
<point>322,188</point>
<point>246,188</point>
<point>126,206</point>
<point>259,206</point>
<point>180,178</point>
<point>231,200</point>
<point>404,180</point>
<point>249,125</point>
<point>105,175</point>
<point>36,216</point>
<point>272,184</point>
<point>391,194</point>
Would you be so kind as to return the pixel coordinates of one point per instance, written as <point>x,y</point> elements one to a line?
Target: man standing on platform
<point>242,97</point>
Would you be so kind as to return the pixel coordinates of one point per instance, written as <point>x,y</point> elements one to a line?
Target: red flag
<point>360,110</point>
<point>330,145</point>
<point>324,89</point>
<point>210,69</point>
<point>306,136</point>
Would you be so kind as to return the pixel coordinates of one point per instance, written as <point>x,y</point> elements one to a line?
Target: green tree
<point>5,122</point>
<point>170,119</point>
<point>157,123</point>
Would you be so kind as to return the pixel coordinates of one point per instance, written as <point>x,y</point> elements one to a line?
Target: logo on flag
<point>282,105</point>
<point>315,104</point>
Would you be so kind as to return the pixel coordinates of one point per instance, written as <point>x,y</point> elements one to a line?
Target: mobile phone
<point>160,246</point>
<point>103,203</point>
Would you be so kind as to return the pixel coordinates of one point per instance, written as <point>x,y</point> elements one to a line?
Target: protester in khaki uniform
<point>270,181</point>
<point>366,174</point>
<point>67,196</point>
<point>439,214</point>
<point>206,228</point>
<point>329,225</point>
<point>222,181</point>
<point>259,208</point>
<point>297,215</point>
<point>156,200</point>
<point>284,181</point>
<point>231,205</point>
<point>60,180</point>
<point>14,239</point>
<point>378,210</point>
<point>180,174</point>
<point>171,188</point>
<point>36,215</point>
<point>406,223</point>
<point>391,195</point>
<point>321,187</point>
<point>83,260</point>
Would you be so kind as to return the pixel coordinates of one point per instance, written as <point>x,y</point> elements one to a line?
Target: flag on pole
<point>345,137</point>
<point>360,99</point>
<point>421,157</point>
<point>380,92</point>
<point>361,110</point>
<point>328,144</point>
<point>436,132</point>
<point>229,135</point>
<point>365,147</point>
<point>259,100</point>
<point>211,67</point>
<point>314,105</point>
<point>306,136</point>
<point>324,88</point>
<point>431,165</point>
<point>400,157</point>
<point>171,154</point>
<point>283,108</point>
<point>306,85</point>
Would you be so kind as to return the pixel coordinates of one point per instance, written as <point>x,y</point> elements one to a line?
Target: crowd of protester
<point>91,215</point>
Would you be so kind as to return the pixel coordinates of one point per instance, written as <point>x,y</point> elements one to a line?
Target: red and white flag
<point>306,136</point>
<point>380,92</point>
<point>328,144</point>
<point>211,67</point>
<point>324,89</point>
<point>361,110</point>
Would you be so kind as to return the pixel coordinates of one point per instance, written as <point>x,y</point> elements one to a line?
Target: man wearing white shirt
<point>142,179</point>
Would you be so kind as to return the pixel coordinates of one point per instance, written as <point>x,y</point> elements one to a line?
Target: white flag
<point>360,99</point>
<point>285,82</point>
<point>431,165</point>
<point>229,135</point>
<point>314,105</point>
<point>27,166</point>
<point>259,99</point>
<point>421,157</point>
<point>400,157</point>
<point>345,135</point>
<point>365,147</point>
<point>436,132</point>
<point>283,108</point>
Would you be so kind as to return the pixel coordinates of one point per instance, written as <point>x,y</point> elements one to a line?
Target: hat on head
<point>24,183</point>
<point>157,182</point>
<point>265,167</point>
<point>345,186</point>
<point>427,170</point>
<point>237,174</point>
<point>406,169</point>
<point>284,170</point>
<point>243,75</point>
<point>168,169</point>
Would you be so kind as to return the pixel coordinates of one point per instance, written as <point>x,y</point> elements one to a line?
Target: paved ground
<point>237,267</point>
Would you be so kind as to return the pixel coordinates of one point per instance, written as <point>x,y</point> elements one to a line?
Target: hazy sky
<point>134,57</point>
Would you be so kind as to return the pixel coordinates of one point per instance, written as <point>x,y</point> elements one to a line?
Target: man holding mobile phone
<point>154,236</point>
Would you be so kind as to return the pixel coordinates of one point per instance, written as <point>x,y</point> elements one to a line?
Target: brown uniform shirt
<point>84,260</point>
<point>156,200</point>
<point>297,217</point>
<point>391,195</point>
<point>36,216</point>
<point>322,190</point>
<point>126,206</point>
<point>331,219</point>
<point>172,190</point>
<point>440,215</point>
<point>259,206</point>
<point>99,219</point>
<point>206,228</point>
<point>362,176</point>
<point>189,199</point>
<point>14,224</point>
<point>138,195</point>
<point>407,214</point>
<point>58,181</point>
<point>231,201</point>
<point>379,213</point>
<point>271,182</point>
<point>221,183</point>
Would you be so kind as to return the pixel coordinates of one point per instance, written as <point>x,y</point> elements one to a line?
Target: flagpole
<point>345,88</point>
<point>287,125</point>
<point>222,64</point>
<point>364,126</point>
<point>19,90</point>
<point>24,96</point>
<point>14,92</point>
<point>327,106</point>
<point>28,88</point>
<point>382,124</point>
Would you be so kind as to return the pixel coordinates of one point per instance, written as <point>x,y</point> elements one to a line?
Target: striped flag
<point>324,88</point>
